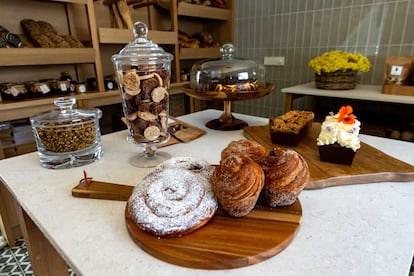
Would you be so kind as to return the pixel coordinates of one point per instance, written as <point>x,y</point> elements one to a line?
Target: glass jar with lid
<point>67,137</point>
<point>143,71</point>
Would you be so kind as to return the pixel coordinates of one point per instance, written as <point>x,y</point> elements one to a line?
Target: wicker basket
<point>339,80</point>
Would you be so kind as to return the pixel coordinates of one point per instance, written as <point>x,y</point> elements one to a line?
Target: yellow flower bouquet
<point>339,61</point>
<point>337,70</point>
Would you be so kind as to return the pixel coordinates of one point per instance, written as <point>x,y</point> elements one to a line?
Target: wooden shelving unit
<point>122,36</point>
<point>45,56</point>
<point>199,53</point>
<point>15,58</point>
<point>186,9</point>
<point>179,15</point>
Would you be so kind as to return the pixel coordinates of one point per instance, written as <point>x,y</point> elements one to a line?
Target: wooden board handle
<point>102,190</point>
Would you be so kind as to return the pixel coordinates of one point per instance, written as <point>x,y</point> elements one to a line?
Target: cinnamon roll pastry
<point>286,174</point>
<point>172,202</point>
<point>252,149</point>
<point>237,182</point>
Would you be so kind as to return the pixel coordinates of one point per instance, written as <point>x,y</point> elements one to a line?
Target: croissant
<point>286,175</point>
<point>237,182</point>
<point>252,149</point>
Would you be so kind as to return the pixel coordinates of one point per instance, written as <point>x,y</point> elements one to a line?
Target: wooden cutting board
<point>224,242</point>
<point>370,164</point>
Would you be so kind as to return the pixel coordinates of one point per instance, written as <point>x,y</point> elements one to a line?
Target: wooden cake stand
<point>227,121</point>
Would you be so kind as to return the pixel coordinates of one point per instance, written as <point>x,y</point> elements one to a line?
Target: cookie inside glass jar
<point>146,102</point>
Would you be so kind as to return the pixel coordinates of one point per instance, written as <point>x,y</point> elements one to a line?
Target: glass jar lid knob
<point>140,31</point>
<point>65,104</point>
<point>227,50</point>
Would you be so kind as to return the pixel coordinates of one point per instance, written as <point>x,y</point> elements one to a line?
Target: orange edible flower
<point>345,115</point>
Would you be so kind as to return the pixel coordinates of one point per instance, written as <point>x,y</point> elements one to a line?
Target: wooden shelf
<point>13,110</point>
<point>44,56</point>
<point>199,53</point>
<point>26,108</point>
<point>123,36</point>
<point>71,1</point>
<point>201,11</point>
<point>194,10</point>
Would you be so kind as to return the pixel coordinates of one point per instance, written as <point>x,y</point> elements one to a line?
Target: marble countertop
<point>346,230</point>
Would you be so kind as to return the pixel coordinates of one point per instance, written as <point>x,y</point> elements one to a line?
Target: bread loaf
<point>125,13</point>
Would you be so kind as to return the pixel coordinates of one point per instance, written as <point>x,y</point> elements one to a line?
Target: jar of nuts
<point>67,137</point>
<point>143,71</point>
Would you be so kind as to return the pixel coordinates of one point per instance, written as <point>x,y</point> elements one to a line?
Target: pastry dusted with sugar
<point>173,200</point>
<point>252,149</point>
<point>287,173</point>
<point>237,182</point>
<point>192,164</point>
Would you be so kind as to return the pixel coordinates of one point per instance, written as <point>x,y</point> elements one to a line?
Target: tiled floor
<point>15,261</point>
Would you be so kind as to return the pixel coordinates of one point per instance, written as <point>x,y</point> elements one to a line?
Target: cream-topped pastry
<point>334,130</point>
<point>338,140</point>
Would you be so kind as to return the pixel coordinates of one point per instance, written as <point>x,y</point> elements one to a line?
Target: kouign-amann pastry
<point>252,149</point>
<point>172,201</point>
<point>339,140</point>
<point>286,174</point>
<point>289,128</point>
<point>237,182</point>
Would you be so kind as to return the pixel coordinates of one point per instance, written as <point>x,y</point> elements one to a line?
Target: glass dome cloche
<point>227,79</point>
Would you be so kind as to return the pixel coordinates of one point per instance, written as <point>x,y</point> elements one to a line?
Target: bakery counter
<point>345,230</point>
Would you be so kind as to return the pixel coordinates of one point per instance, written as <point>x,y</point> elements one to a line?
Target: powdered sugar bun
<point>189,163</point>
<point>172,202</point>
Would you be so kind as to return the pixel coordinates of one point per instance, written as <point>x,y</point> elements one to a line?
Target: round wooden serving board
<point>225,242</point>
